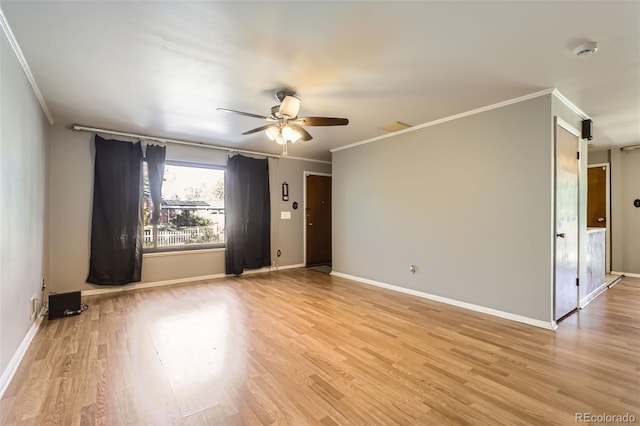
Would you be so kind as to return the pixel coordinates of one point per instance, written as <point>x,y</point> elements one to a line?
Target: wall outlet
<point>33,306</point>
<point>413,269</point>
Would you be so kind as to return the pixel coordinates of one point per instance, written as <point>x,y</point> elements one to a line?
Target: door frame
<point>304,210</point>
<point>579,178</point>
<point>607,213</point>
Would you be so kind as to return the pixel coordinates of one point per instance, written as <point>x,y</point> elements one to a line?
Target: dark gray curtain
<point>247,214</point>
<point>116,226</point>
<point>155,157</point>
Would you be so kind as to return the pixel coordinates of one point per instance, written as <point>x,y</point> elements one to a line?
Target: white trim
<point>552,221</point>
<point>183,252</point>
<point>269,269</point>
<point>626,274</point>
<point>568,127</point>
<point>14,363</point>
<point>569,104</point>
<point>306,173</point>
<point>291,157</point>
<point>80,128</point>
<point>449,118</point>
<point>152,284</point>
<point>25,66</point>
<point>607,206</point>
<point>304,211</point>
<point>465,305</point>
<point>119,289</point>
<point>629,147</point>
<point>558,122</point>
<point>280,268</point>
<point>591,296</point>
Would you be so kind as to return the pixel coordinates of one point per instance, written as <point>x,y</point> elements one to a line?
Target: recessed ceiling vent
<point>395,126</point>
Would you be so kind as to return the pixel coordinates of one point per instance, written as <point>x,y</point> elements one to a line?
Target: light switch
<point>285,215</point>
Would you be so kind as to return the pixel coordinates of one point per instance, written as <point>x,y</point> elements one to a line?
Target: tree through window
<point>192,208</point>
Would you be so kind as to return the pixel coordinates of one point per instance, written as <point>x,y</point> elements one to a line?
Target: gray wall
<point>598,157</point>
<point>625,222</point>
<point>287,234</point>
<point>468,201</point>
<point>23,213</point>
<point>72,156</point>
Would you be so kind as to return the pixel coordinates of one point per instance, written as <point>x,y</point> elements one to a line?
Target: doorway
<point>317,219</point>
<point>566,220</point>
<point>599,202</point>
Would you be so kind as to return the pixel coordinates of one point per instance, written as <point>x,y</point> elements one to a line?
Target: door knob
<point>601,219</point>
<point>310,223</point>
<point>560,235</point>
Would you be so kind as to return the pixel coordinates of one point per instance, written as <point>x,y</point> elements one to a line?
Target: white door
<point>566,247</point>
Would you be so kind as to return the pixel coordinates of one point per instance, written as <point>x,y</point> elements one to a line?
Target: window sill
<point>183,252</point>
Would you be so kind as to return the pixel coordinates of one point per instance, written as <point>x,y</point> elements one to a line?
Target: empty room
<point>310,212</point>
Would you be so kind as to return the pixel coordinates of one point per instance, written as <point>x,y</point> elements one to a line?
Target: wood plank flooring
<point>302,347</point>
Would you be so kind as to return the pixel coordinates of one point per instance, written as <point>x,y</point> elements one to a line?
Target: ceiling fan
<point>285,125</point>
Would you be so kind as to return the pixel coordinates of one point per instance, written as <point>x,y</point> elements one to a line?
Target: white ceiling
<point>162,68</point>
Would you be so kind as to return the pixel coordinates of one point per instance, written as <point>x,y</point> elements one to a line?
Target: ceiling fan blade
<point>322,121</point>
<point>259,129</point>
<point>305,135</point>
<point>248,114</point>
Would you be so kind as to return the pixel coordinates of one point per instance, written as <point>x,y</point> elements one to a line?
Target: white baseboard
<point>270,269</point>
<point>465,305</point>
<point>280,268</point>
<point>591,296</point>
<point>148,285</point>
<point>181,280</point>
<point>626,274</point>
<point>13,365</point>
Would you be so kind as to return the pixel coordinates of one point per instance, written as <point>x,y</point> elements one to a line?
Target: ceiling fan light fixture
<point>286,127</point>
<point>289,134</point>
<point>272,133</point>
<point>290,106</point>
<point>280,140</point>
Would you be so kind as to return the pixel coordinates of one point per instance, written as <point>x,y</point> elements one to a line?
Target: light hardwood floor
<point>302,347</point>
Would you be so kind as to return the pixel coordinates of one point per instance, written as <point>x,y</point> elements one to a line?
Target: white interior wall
<point>23,207</point>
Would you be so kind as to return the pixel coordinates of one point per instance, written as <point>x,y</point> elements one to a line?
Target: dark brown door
<point>318,220</point>
<point>596,197</point>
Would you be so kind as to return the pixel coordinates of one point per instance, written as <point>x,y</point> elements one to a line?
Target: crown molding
<point>583,115</point>
<point>450,118</point>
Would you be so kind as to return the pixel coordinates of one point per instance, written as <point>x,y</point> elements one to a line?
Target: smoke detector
<point>585,50</point>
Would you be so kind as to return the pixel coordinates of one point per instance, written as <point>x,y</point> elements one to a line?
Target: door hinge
<point>578,155</point>
<point>578,282</point>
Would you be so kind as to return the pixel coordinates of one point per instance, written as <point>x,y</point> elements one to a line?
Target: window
<point>192,208</point>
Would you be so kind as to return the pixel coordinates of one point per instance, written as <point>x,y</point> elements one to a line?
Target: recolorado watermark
<point>605,418</point>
